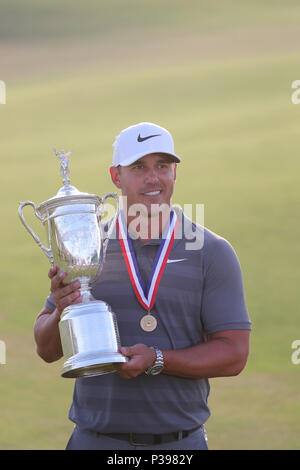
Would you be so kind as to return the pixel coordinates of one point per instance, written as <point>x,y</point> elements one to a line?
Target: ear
<point>175,170</point>
<point>115,176</point>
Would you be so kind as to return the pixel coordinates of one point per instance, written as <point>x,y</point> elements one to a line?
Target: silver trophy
<point>88,330</point>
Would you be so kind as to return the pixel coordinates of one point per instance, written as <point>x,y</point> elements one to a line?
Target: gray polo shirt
<point>200,292</point>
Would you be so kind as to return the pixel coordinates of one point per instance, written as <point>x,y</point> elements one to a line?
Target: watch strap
<point>158,365</point>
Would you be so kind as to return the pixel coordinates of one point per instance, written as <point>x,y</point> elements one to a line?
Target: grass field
<point>218,76</point>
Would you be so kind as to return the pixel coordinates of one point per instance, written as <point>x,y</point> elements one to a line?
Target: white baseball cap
<point>142,139</point>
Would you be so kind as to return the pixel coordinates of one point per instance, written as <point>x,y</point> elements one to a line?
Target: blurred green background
<point>218,75</point>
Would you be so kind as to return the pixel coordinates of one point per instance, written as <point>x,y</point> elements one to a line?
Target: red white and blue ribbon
<point>146,295</point>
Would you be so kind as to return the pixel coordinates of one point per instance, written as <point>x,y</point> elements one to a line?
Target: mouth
<point>152,193</point>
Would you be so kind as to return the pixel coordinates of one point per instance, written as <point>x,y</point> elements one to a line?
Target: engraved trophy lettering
<point>77,244</point>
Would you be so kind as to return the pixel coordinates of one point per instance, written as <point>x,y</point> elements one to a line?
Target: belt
<point>142,439</point>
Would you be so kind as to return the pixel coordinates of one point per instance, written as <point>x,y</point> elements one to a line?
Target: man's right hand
<point>46,327</point>
<point>63,294</point>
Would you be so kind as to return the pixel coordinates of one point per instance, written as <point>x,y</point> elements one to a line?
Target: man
<point>181,312</point>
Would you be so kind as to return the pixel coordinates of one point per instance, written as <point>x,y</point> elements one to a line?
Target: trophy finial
<point>64,165</point>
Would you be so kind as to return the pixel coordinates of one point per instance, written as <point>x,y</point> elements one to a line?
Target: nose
<point>151,176</point>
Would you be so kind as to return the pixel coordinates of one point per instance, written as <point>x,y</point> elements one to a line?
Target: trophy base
<point>90,365</point>
<point>90,340</point>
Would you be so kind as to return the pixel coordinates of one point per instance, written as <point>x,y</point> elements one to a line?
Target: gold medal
<point>148,322</point>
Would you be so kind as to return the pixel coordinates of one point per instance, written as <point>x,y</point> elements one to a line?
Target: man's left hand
<point>141,357</point>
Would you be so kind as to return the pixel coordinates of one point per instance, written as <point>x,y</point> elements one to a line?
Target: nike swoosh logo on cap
<point>141,139</point>
<point>176,260</point>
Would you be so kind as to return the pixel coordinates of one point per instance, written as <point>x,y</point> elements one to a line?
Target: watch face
<point>156,370</point>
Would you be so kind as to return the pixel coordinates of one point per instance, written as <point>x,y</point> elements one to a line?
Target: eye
<point>163,165</point>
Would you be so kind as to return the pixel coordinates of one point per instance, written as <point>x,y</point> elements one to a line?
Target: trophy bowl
<point>88,330</point>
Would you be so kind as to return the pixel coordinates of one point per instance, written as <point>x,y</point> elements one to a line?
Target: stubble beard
<point>147,222</point>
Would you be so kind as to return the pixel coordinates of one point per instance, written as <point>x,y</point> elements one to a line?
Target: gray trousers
<point>88,440</point>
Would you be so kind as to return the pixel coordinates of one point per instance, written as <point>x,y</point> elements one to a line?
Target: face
<point>148,181</point>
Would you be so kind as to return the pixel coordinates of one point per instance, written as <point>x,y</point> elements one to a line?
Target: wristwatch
<point>158,365</point>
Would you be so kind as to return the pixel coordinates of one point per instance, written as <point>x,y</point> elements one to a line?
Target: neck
<point>148,226</point>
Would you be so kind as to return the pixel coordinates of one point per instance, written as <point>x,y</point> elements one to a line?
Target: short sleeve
<point>50,303</point>
<point>223,304</point>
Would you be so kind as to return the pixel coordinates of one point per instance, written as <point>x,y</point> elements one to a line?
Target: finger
<point>130,369</point>
<point>132,350</point>
<point>53,270</point>
<point>67,289</point>
<point>57,280</point>
<point>63,303</point>
<point>122,372</point>
<point>126,351</point>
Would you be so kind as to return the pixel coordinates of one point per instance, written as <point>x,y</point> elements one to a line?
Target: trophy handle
<point>47,251</point>
<point>113,221</point>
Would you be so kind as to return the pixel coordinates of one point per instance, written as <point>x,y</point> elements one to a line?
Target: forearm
<point>47,337</point>
<point>216,358</point>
